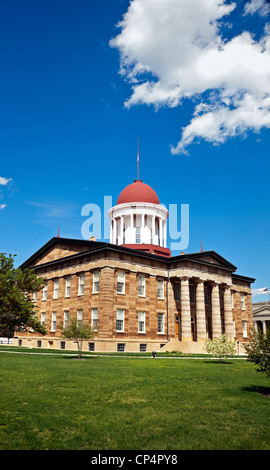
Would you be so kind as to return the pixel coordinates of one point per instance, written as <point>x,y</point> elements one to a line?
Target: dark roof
<point>97,246</point>
<point>238,277</point>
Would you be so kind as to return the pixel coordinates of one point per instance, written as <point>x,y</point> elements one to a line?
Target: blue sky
<point>69,122</point>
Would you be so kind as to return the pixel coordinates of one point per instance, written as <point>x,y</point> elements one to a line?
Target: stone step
<point>193,347</point>
<point>184,346</point>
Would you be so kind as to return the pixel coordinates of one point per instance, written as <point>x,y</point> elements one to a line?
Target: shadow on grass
<point>217,361</point>
<point>265,391</point>
<point>79,358</point>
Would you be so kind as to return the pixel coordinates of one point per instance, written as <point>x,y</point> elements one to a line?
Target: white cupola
<point>139,221</point>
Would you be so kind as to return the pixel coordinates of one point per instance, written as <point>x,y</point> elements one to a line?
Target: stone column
<point>185,310</point>
<point>228,313</point>
<point>216,318</point>
<point>200,312</point>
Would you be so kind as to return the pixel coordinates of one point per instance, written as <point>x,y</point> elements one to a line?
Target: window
<point>68,285</point>
<point>143,347</point>
<point>232,299</point>
<point>141,322</point>
<point>62,345</point>
<point>192,293</point>
<point>79,317</point>
<point>121,347</point>
<point>124,235</point>
<point>94,318</point>
<point>81,284</point>
<point>141,287</point>
<point>42,318</point>
<point>244,326</point>
<point>120,282</point>
<point>138,235</point>
<point>91,347</point>
<point>160,322</point>
<point>176,291</point>
<point>34,296</point>
<point>120,317</point>
<point>53,324</point>
<point>66,318</point>
<point>55,289</point>
<point>45,292</point>
<point>242,301</point>
<point>96,282</point>
<point>160,289</point>
<point>39,343</point>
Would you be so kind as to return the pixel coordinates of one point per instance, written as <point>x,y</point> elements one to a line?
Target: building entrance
<point>177,327</point>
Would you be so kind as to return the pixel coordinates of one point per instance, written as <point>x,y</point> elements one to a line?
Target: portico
<point>204,309</point>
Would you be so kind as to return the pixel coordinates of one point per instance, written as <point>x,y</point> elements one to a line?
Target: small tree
<point>258,350</point>
<point>222,347</point>
<point>78,332</point>
<point>17,312</point>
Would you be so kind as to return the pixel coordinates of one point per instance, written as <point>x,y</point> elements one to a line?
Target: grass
<point>118,403</point>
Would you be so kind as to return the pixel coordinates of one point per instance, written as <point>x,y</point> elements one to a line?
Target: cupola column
<point>153,229</point>
<point>132,237</point>
<point>160,231</point>
<point>121,230</point>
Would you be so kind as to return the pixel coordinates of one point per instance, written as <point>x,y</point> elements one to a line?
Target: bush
<point>258,350</point>
<point>222,347</point>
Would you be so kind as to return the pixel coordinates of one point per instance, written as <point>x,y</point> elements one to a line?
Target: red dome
<point>138,192</point>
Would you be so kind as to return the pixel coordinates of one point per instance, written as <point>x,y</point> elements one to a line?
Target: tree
<point>258,350</point>
<point>222,347</point>
<point>17,312</point>
<point>78,332</point>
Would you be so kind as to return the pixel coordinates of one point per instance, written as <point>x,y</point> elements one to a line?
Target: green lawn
<point>59,402</point>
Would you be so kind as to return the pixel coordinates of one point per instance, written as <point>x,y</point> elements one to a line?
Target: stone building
<point>136,295</point>
<point>261,315</point>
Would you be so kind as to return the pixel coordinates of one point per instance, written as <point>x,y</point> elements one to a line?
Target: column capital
<point>184,278</point>
<point>214,283</point>
<point>225,285</point>
<point>199,280</point>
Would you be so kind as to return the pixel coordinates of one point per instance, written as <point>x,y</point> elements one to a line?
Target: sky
<point>81,80</point>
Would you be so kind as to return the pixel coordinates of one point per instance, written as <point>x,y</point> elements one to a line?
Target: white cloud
<point>173,50</point>
<point>5,181</point>
<point>2,206</point>
<point>257,6</point>
<point>49,210</point>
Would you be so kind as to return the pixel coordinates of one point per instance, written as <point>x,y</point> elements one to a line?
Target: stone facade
<point>138,301</point>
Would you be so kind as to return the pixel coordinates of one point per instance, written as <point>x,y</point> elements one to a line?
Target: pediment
<point>58,248</point>
<point>212,258</point>
<point>262,310</point>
